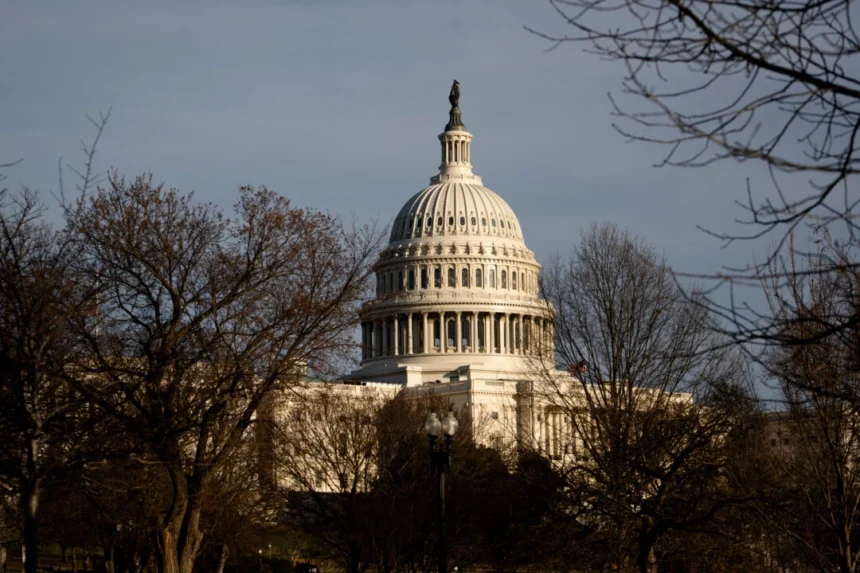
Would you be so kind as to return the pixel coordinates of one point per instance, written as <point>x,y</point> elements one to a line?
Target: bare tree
<point>642,420</point>
<point>813,448</point>
<point>199,317</point>
<point>46,429</point>
<point>774,83</point>
<point>327,460</point>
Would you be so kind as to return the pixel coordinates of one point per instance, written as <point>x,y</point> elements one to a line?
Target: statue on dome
<point>454,96</point>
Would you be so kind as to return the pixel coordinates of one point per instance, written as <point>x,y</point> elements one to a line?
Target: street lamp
<point>440,461</point>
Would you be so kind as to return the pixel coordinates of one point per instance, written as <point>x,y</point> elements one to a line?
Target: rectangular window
<point>437,277</point>
<point>423,277</point>
<point>411,279</point>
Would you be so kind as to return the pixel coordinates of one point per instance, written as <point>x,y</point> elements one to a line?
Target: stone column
<point>396,331</point>
<point>426,345</point>
<point>443,333</point>
<point>505,342</point>
<point>490,334</point>
<point>459,332</point>
<point>409,344</point>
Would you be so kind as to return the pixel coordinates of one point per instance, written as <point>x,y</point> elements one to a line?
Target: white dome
<point>455,209</point>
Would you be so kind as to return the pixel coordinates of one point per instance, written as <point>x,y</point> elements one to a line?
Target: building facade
<point>457,310</point>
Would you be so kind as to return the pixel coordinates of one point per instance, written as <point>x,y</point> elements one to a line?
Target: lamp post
<point>440,461</point>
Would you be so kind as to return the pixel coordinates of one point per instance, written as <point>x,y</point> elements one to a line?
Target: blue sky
<point>337,106</point>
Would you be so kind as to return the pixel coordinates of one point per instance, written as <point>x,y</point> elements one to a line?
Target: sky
<point>337,105</point>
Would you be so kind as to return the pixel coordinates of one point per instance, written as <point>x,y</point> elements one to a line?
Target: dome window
<point>450,220</point>
<point>452,277</point>
<point>492,278</point>
<point>484,221</point>
<point>493,222</point>
<point>514,280</point>
<point>423,276</point>
<point>462,221</point>
<point>437,277</point>
<point>509,224</point>
<point>429,222</point>
<point>478,281</point>
<point>504,279</point>
<point>464,279</point>
<point>411,223</point>
<point>439,221</point>
<point>473,221</point>
<point>411,279</point>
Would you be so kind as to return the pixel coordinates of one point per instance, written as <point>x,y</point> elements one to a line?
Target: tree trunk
<point>178,543</point>
<point>222,558</point>
<point>30,500</point>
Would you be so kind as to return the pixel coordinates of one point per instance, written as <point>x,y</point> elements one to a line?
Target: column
<point>396,336</point>
<point>519,334</point>
<point>474,325</point>
<point>491,347</point>
<point>459,332</point>
<point>409,345</point>
<point>443,332</point>
<point>503,333</point>
<point>426,346</point>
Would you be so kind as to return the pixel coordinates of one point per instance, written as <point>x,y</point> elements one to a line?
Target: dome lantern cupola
<point>456,145</point>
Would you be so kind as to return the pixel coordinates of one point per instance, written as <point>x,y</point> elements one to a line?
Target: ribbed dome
<point>446,209</point>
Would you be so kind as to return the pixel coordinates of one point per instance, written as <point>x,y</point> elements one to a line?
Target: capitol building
<point>457,310</point>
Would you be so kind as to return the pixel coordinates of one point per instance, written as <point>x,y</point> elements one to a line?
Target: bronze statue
<point>454,96</point>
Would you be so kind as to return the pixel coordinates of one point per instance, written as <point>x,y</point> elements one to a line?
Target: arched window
<point>423,277</point>
<point>439,221</point>
<point>478,282</point>
<point>492,278</point>
<point>473,221</point>
<point>450,220</point>
<point>484,221</point>
<point>437,276</point>
<point>504,279</point>
<point>462,220</point>
<point>493,222</point>
<point>411,279</point>
<point>437,336</point>
<point>400,280</point>
<point>514,280</point>
<point>411,223</point>
<point>466,332</point>
<point>523,281</point>
<point>420,221</point>
<point>452,334</point>
<point>452,277</point>
<point>464,277</point>
<point>429,222</point>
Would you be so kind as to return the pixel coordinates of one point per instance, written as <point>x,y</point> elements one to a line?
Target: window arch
<point>478,281</point>
<point>504,278</point>
<point>452,277</point>
<point>464,277</point>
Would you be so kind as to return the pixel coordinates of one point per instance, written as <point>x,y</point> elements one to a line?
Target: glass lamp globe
<point>450,425</point>
<point>432,426</point>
